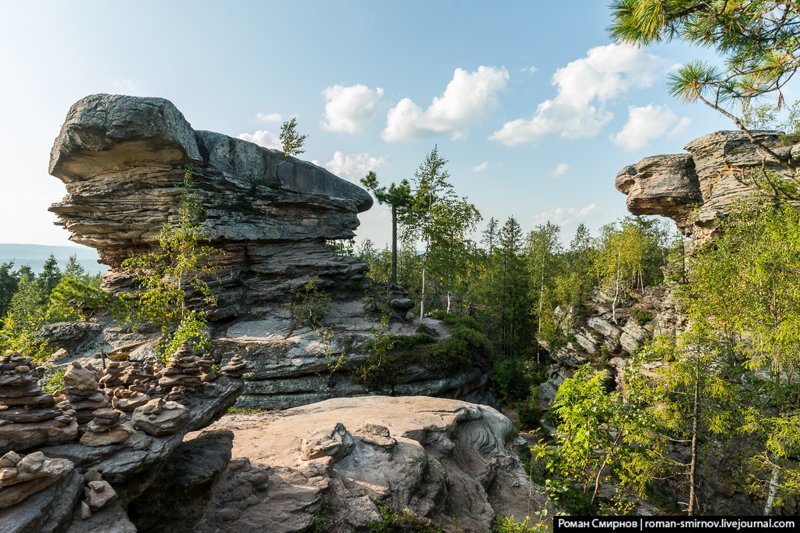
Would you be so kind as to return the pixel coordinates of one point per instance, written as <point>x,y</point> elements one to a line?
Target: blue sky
<point>534,107</point>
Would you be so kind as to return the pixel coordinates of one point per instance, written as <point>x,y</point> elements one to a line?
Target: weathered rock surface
<point>111,461</point>
<point>697,188</point>
<point>291,367</point>
<point>123,159</point>
<point>452,462</point>
<point>28,416</point>
<point>180,494</point>
<point>48,510</point>
<point>597,339</point>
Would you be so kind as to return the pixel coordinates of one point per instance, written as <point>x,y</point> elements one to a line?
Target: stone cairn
<point>185,373</point>
<point>97,493</point>
<point>28,416</point>
<point>23,476</point>
<point>105,407</point>
<point>106,428</point>
<point>81,392</point>
<point>234,368</point>
<point>136,377</point>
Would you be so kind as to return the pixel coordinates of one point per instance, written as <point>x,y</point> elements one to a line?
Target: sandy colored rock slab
<point>25,436</point>
<point>453,462</point>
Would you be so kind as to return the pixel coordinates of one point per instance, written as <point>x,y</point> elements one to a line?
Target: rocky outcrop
<point>697,188</point>
<point>290,366</point>
<point>180,494</point>
<point>123,160</point>
<point>77,443</point>
<point>337,461</point>
<point>28,416</point>
<point>594,337</point>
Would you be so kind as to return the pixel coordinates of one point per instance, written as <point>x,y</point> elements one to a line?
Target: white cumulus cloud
<point>350,109</point>
<point>646,124</point>
<point>354,167</point>
<point>264,138</point>
<point>483,167</point>
<point>469,97</point>
<point>269,117</point>
<point>560,170</point>
<point>566,216</point>
<point>584,87</point>
<point>530,70</point>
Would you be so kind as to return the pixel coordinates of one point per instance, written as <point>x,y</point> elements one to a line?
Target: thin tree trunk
<point>448,302</point>
<point>616,291</point>
<point>603,466</point>
<point>393,279</point>
<point>422,297</point>
<point>693,463</point>
<point>539,317</point>
<point>773,490</point>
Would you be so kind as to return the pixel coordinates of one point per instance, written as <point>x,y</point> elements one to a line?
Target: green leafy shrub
<point>172,275</point>
<point>456,320</point>
<point>453,352</point>
<point>309,305</point>
<point>392,354</point>
<point>404,521</point>
<point>643,316</point>
<point>511,382</point>
<point>534,524</point>
<point>54,382</point>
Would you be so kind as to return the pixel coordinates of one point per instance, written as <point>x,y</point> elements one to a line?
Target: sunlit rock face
<point>123,159</point>
<point>696,189</point>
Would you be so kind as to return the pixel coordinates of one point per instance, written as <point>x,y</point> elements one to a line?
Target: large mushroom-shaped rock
<point>697,188</point>
<point>123,158</point>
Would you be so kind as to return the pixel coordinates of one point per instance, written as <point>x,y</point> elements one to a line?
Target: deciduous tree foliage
<point>441,221</point>
<point>167,277</point>
<point>291,141</point>
<point>746,286</point>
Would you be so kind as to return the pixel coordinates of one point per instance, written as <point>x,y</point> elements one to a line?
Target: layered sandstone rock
<point>28,416</point>
<point>452,462</point>
<point>697,188</point>
<point>123,159</point>
<point>107,457</point>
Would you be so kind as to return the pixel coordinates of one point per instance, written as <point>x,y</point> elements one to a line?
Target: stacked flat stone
<point>127,400</point>
<point>183,370</point>
<point>136,376</point>
<point>235,367</point>
<point>177,394</point>
<point>22,477</point>
<point>106,428</point>
<point>28,417</point>
<point>159,417</point>
<point>206,364</point>
<point>81,392</point>
<point>97,493</point>
<point>112,375</point>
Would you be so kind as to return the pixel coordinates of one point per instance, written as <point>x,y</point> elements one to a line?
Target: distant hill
<point>34,255</point>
